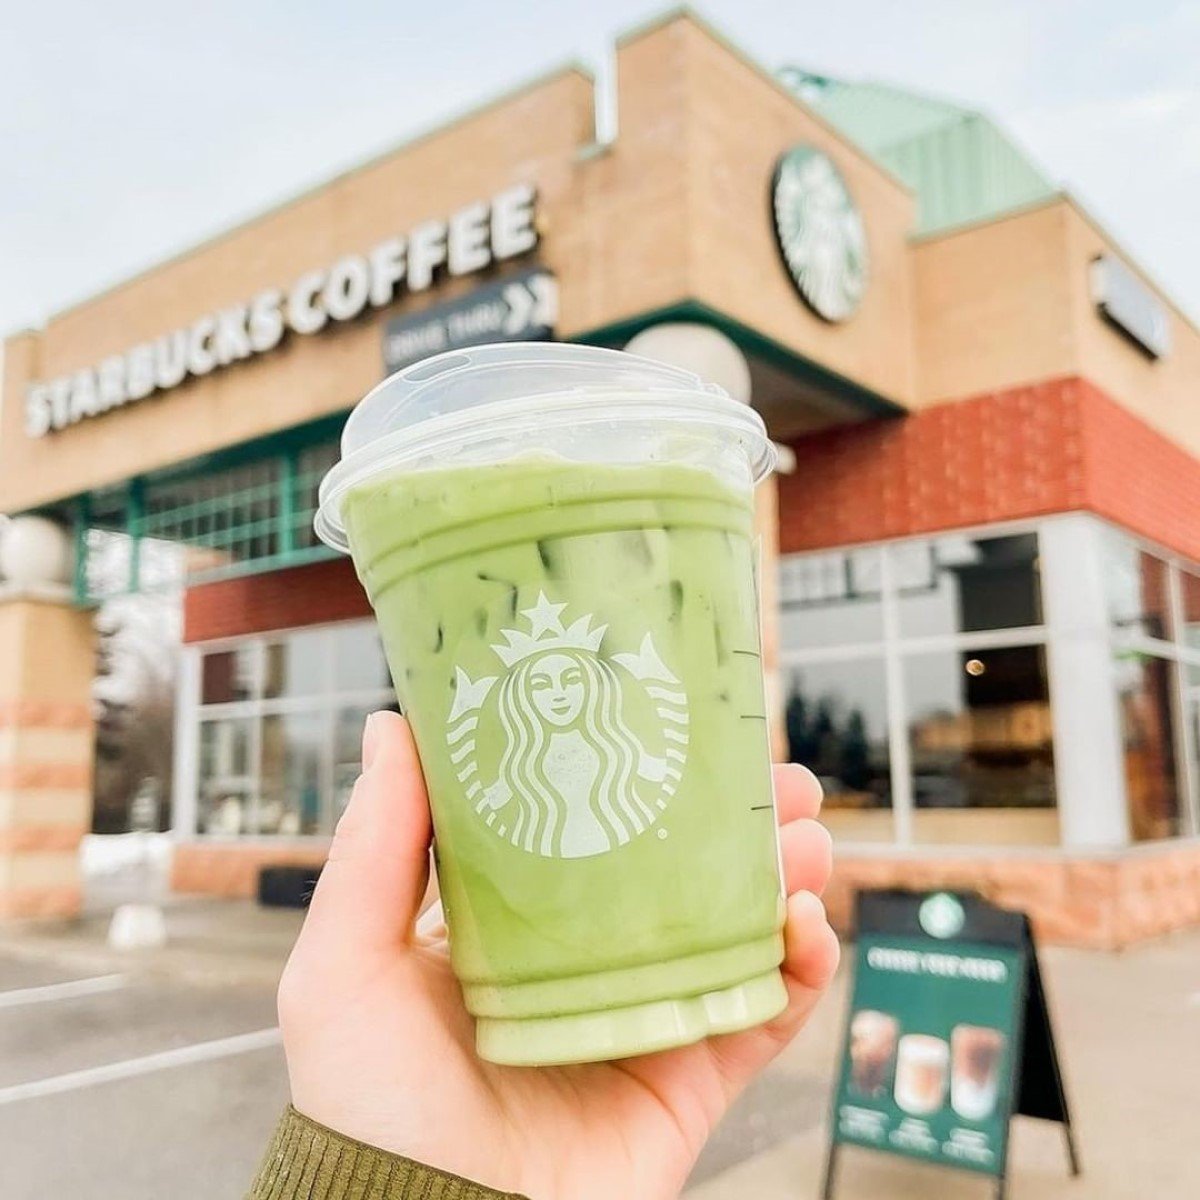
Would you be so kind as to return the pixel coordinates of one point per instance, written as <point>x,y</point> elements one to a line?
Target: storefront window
<point>836,719</point>
<point>959,584</point>
<point>981,744</point>
<point>1146,690</point>
<point>290,774</point>
<point>1138,589</point>
<point>358,660</point>
<point>297,665</point>
<point>311,465</point>
<point>1189,586</point>
<point>971,697</point>
<point>831,599</point>
<point>347,753</point>
<point>226,784</point>
<point>227,676</point>
<point>949,643</point>
<point>281,722</point>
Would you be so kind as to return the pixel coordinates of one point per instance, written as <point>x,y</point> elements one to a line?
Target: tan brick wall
<point>1165,394</point>
<point>738,123</point>
<point>1007,303</point>
<point>993,306</point>
<point>46,662</point>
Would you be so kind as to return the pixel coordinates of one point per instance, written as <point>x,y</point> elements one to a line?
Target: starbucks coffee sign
<point>469,240</point>
<point>820,232</point>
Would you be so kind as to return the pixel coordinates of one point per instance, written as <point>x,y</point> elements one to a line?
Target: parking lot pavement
<point>161,1076</point>
<point>189,1131</point>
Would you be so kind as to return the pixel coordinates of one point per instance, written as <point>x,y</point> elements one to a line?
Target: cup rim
<point>713,411</point>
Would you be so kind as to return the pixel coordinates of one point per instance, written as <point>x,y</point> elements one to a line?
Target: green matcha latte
<point>576,645</point>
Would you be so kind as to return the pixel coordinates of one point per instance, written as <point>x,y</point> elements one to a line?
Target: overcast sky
<point>130,129</point>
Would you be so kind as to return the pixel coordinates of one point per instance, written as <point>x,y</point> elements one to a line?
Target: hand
<point>380,1048</point>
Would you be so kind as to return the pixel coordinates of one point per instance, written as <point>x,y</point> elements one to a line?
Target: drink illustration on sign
<point>921,1063</point>
<point>573,778</point>
<point>975,1076</point>
<point>872,1051</point>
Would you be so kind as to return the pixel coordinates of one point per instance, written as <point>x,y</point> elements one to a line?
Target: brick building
<point>985,619</point>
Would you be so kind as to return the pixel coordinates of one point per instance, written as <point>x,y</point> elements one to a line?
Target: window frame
<point>326,702</point>
<point>896,647</point>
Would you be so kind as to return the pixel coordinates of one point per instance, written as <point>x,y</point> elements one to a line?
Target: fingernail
<point>370,742</point>
<point>808,774</point>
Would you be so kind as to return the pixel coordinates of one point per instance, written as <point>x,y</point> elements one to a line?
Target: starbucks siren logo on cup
<point>573,779</point>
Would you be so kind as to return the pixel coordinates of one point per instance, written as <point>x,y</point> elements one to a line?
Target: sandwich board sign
<point>948,1035</point>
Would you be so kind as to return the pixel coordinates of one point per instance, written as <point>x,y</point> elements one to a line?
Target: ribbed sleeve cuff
<point>307,1161</point>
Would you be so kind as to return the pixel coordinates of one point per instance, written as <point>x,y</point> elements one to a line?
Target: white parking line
<point>62,991</point>
<point>180,1057</point>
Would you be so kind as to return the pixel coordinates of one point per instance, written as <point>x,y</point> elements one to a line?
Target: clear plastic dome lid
<point>422,415</point>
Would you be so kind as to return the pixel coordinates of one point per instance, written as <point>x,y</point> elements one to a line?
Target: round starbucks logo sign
<point>820,233</point>
<point>941,915</point>
<point>569,747</point>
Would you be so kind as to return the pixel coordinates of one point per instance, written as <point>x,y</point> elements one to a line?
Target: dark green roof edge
<point>805,370</point>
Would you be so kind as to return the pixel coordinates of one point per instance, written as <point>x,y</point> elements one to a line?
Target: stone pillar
<point>766,523</point>
<point>47,660</point>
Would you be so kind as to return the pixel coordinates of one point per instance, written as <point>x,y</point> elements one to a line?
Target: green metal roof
<point>961,165</point>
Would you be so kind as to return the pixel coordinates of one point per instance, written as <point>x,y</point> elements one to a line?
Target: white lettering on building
<point>469,240</point>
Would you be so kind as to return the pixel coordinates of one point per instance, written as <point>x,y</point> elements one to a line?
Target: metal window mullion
<point>982,639</point>
<point>325,798</point>
<point>363,698</point>
<point>1185,745</point>
<point>287,503</point>
<point>256,731</point>
<point>849,652</point>
<point>186,780</point>
<point>135,509</point>
<point>899,753</point>
<point>83,517</point>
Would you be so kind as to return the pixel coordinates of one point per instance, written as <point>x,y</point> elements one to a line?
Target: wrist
<point>309,1160</point>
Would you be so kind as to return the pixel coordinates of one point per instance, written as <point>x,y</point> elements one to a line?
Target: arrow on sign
<point>520,307</point>
<point>531,303</point>
<point>545,293</point>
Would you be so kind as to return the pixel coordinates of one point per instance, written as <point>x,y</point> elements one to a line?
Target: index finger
<point>798,793</point>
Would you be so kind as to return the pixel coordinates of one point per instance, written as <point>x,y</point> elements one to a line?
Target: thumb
<point>372,883</point>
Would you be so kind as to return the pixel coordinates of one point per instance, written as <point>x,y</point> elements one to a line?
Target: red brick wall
<point>1138,478</point>
<point>309,595</point>
<point>1043,448</point>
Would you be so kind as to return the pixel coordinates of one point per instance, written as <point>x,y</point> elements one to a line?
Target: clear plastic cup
<point>557,542</point>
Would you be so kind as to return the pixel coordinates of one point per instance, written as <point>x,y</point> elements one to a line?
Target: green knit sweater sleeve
<point>306,1161</point>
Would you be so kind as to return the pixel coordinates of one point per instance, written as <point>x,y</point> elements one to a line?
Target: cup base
<point>637,1029</point>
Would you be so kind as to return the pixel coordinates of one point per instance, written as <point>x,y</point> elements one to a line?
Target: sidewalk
<point>210,943</point>
<point>1128,1027</point>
